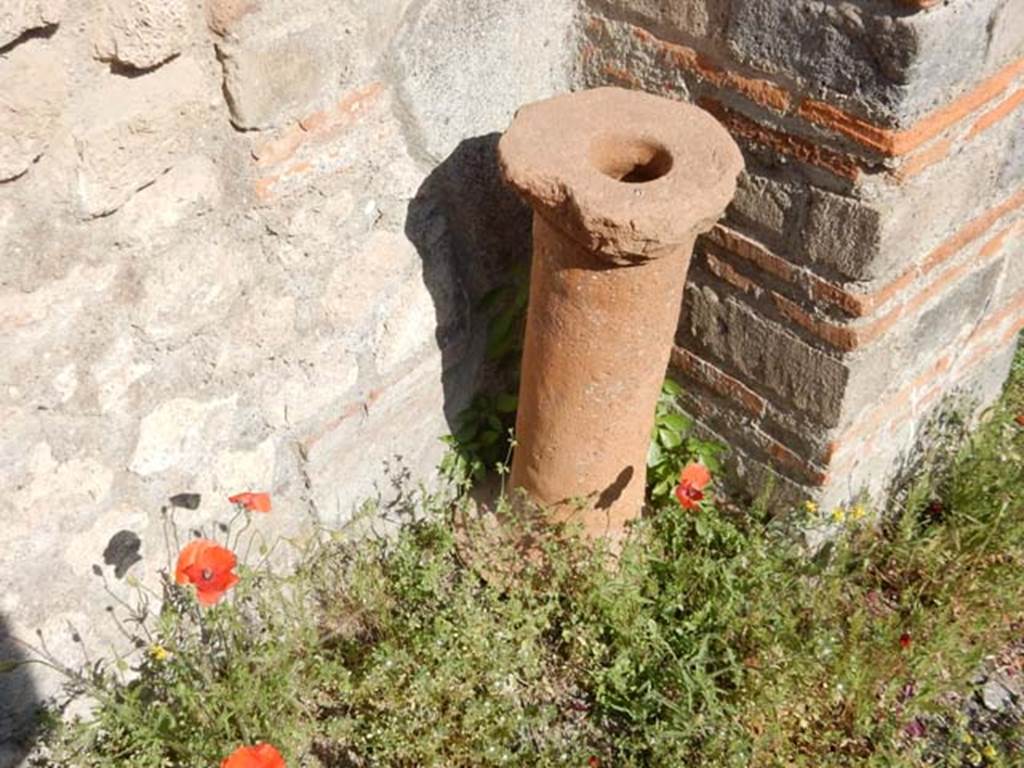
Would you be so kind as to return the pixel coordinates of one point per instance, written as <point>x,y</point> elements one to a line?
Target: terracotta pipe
<point>621,183</point>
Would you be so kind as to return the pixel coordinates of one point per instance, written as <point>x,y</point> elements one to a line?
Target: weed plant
<point>712,640</point>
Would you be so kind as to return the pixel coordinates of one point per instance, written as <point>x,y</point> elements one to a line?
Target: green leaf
<point>506,402</point>
<point>500,336</point>
<point>522,296</point>
<point>493,297</point>
<point>654,454</point>
<point>671,388</point>
<point>499,347</point>
<point>466,433</point>
<point>675,421</point>
<point>670,438</point>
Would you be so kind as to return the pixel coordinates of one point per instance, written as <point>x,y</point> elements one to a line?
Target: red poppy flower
<point>209,567</point>
<point>692,481</point>
<point>593,762</point>
<point>254,502</point>
<point>1020,419</point>
<point>906,641</point>
<point>260,756</point>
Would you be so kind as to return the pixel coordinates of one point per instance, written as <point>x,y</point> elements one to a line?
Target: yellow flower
<point>839,514</point>
<point>158,653</point>
<point>990,752</point>
<point>811,507</point>
<point>857,512</point>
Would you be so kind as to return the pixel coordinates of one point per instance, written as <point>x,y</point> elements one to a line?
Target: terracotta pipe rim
<point>627,174</point>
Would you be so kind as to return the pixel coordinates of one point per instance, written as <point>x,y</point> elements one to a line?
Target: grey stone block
<point>767,207</point>
<point>704,20</point>
<point>887,226</point>
<point>762,351</point>
<point>283,60</point>
<point>463,67</point>
<point>841,233</point>
<point>872,59</point>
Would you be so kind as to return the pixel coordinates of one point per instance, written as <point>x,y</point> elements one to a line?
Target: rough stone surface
<point>454,46</point>
<point>143,33</point>
<point>1006,32</point>
<point>763,352</point>
<point>282,60</point>
<point>364,432</point>
<point>21,16</point>
<point>187,293</point>
<point>764,204</point>
<point>864,56</point>
<point>34,90</point>
<point>842,233</point>
<point>134,130</point>
<point>697,19</point>
<point>878,232</point>
<point>191,188</point>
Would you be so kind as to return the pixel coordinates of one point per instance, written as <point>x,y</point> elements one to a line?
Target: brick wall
<point>870,268</point>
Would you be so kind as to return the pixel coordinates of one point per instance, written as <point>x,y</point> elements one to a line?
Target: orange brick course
<point>799,148</point>
<point>758,90</point>
<point>784,456</point>
<point>734,391</point>
<point>724,271</point>
<point>848,337</point>
<point>718,381</point>
<point>992,336</point>
<point>997,114</point>
<point>318,124</point>
<point>889,142</point>
<point>893,143</point>
<point>919,161</point>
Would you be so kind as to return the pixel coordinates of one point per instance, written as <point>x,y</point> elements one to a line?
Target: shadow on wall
<point>19,702</point>
<point>470,229</point>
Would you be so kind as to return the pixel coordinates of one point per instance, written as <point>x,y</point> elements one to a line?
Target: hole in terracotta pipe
<point>630,160</point>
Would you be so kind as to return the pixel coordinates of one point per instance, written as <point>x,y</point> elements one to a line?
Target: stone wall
<point>240,247</point>
<point>870,267</point>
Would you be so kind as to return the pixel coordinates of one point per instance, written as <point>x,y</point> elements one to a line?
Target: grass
<point>715,641</point>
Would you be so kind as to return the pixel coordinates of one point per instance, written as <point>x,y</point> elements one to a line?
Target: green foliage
<point>203,681</point>
<point>482,439</point>
<point>506,307</point>
<point>712,640</point>
<point>673,445</point>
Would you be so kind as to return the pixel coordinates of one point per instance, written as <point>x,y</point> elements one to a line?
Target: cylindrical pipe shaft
<point>598,339</point>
